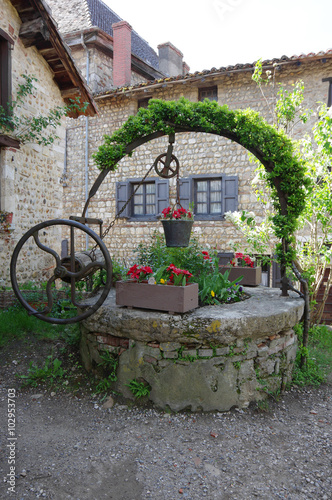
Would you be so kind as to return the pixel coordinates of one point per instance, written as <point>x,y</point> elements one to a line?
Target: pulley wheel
<point>67,290</point>
<point>165,170</point>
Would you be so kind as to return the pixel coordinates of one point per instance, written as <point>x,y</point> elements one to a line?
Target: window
<point>143,103</point>
<point>144,199</point>
<point>210,93</point>
<point>6,44</point>
<point>212,195</point>
<point>146,203</point>
<point>207,196</point>
<point>329,98</point>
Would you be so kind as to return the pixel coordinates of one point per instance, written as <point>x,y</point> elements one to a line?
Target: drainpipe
<point>64,173</point>
<point>86,137</point>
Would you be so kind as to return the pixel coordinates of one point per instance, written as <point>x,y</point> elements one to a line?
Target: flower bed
<point>243,268</point>
<point>170,298</point>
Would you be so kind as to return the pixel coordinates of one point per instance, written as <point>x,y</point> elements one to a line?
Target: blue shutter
<point>185,192</point>
<point>122,195</point>
<point>162,195</point>
<point>230,193</point>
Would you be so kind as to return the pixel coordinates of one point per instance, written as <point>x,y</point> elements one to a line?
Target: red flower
<point>178,272</point>
<point>134,272</point>
<point>139,273</point>
<point>206,255</point>
<point>181,213</point>
<point>146,270</point>
<point>243,260</point>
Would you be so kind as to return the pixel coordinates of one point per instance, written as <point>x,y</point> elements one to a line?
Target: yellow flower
<point>162,281</point>
<point>212,293</point>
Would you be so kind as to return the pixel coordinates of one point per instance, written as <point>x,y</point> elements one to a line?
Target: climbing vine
<point>40,129</point>
<point>284,169</point>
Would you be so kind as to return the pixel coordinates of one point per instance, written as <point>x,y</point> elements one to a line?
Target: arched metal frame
<point>268,164</point>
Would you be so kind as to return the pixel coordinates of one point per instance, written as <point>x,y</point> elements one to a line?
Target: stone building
<point>30,174</point>
<point>124,73</point>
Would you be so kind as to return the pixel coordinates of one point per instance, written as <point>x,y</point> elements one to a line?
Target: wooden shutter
<point>162,195</point>
<point>230,193</point>
<point>6,43</point>
<point>185,192</point>
<point>122,195</point>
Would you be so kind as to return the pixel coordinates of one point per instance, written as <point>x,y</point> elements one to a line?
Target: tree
<point>312,243</point>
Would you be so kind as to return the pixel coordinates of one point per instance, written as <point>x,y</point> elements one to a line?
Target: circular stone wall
<point>212,358</point>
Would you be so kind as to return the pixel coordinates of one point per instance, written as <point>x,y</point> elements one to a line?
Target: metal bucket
<point>177,232</point>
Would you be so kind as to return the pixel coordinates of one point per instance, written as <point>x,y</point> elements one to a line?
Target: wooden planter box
<point>170,298</point>
<point>252,276</point>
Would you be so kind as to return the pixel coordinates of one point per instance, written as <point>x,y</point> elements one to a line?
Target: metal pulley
<point>167,165</point>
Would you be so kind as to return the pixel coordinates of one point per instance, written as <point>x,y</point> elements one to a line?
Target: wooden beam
<point>33,31</point>
<point>9,142</point>
<point>70,92</point>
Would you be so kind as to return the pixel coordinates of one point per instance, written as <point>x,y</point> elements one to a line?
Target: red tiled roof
<point>215,72</point>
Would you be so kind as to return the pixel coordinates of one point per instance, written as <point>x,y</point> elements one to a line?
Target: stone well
<point>212,358</point>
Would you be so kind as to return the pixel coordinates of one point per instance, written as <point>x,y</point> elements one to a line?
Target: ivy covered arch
<point>284,171</point>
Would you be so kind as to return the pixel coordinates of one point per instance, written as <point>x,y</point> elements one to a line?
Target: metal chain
<point>109,227</point>
<point>178,191</point>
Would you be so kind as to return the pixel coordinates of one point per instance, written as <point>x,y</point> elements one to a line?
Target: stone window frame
<point>210,93</point>
<point>229,191</point>
<point>124,191</point>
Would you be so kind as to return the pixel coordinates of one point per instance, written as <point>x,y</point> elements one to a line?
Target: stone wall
<point>197,153</point>
<point>212,359</point>
<point>30,176</point>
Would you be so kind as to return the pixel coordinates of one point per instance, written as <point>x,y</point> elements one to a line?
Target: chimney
<point>170,60</point>
<point>121,54</point>
<point>186,68</point>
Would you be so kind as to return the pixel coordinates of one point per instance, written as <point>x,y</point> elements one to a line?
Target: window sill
<point>151,218</point>
<point>209,217</point>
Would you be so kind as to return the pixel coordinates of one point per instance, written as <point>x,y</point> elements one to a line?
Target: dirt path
<point>70,447</point>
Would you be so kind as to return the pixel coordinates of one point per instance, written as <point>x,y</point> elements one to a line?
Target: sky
<point>216,33</point>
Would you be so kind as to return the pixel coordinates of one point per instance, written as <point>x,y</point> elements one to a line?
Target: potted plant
<point>243,266</point>
<point>177,226</point>
<point>6,219</point>
<point>168,289</point>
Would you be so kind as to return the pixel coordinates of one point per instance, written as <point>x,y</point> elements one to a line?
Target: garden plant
<point>311,243</point>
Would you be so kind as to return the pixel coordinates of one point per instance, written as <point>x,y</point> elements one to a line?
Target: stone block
<point>189,352</point>
<point>150,359</point>
<point>205,353</point>
<point>266,366</point>
<point>169,346</point>
<point>251,351</point>
<point>222,351</point>
<point>171,355</point>
<point>151,351</point>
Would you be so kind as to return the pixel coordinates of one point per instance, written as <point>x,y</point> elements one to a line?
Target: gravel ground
<point>71,447</point>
